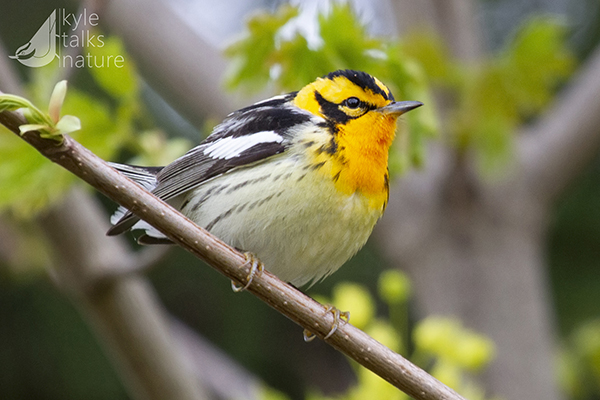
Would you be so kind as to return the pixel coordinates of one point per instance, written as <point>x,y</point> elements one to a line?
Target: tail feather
<point>144,176</point>
<point>123,220</point>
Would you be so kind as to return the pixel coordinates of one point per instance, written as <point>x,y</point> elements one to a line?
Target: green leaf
<point>31,127</point>
<point>68,124</point>
<point>345,43</point>
<point>9,102</point>
<point>345,38</point>
<point>117,76</point>
<point>300,64</point>
<point>37,119</point>
<point>252,56</point>
<point>29,181</point>
<point>535,63</point>
<point>101,132</point>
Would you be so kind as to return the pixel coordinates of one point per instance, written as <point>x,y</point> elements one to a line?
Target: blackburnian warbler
<point>299,180</point>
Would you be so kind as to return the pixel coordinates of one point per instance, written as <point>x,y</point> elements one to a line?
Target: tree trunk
<point>477,254</point>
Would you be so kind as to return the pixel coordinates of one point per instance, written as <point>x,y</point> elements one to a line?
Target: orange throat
<point>362,157</point>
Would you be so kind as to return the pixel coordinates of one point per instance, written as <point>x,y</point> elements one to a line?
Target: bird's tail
<point>123,220</point>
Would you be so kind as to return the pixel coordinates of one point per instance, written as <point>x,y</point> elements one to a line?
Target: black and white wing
<point>246,136</point>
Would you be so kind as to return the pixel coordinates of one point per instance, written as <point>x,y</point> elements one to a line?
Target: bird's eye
<point>352,102</point>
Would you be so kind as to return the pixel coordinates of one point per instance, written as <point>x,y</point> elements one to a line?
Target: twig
<point>289,301</point>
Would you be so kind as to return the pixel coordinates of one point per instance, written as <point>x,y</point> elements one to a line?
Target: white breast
<point>298,225</point>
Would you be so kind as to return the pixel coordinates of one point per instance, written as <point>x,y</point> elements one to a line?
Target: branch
<point>566,138</point>
<point>184,67</point>
<point>289,301</point>
<point>125,313</point>
<point>90,268</point>
<point>119,309</point>
<point>453,20</point>
<point>213,368</point>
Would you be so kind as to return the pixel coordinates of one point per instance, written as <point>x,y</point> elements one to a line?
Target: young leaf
<point>56,100</point>
<point>68,124</point>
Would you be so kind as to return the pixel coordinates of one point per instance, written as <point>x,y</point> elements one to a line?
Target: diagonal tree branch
<point>180,63</point>
<point>554,150</point>
<point>125,313</point>
<point>214,368</point>
<point>90,269</point>
<point>289,301</point>
<point>119,309</point>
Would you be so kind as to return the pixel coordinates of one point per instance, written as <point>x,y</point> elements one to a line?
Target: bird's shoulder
<point>246,136</point>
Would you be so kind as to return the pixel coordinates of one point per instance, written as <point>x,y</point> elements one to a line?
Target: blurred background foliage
<point>48,352</point>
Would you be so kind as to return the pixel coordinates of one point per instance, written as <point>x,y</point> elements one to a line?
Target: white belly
<point>298,225</point>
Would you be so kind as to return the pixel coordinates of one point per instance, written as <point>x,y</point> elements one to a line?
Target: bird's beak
<point>398,108</point>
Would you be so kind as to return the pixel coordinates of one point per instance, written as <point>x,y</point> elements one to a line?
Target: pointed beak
<point>398,108</point>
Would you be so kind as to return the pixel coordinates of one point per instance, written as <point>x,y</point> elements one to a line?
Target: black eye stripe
<point>331,110</point>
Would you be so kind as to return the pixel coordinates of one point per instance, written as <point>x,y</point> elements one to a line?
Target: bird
<point>296,181</point>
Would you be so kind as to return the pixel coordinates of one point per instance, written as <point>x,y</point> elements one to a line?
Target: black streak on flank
<point>337,176</point>
<point>202,199</point>
<point>185,203</point>
<point>276,177</point>
<point>219,218</point>
<point>220,189</point>
<point>263,201</point>
<point>386,183</point>
<point>318,165</point>
<point>249,181</point>
<point>241,208</point>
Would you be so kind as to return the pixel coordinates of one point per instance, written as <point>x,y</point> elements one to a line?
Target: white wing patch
<point>229,147</point>
<point>278,97</point>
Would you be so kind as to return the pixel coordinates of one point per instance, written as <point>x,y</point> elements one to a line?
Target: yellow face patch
<point>337,90</point>
<point>362,134</point>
